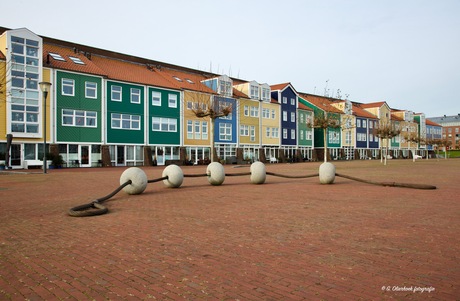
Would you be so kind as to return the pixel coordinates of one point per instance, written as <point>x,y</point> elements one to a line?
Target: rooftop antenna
<point>325,89</point>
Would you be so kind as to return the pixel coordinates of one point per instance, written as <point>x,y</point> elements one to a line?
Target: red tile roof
<point>304,107</point>
<point>89,67</point>
<point>360,112</point>
<point>2,56</point>
<point>321,102</point>
<point>373,104</point>
<point>429,122</point>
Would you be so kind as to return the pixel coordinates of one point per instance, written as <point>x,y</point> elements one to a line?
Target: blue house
<point>286,96</point>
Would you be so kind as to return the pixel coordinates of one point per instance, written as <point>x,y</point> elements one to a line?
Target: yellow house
<point>409,132</point>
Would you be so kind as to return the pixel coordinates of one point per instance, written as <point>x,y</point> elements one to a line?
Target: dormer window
<point>225,86</point>
<point>265,94</point>
<point>254,92</point>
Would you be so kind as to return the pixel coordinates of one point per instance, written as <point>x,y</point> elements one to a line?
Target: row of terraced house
<point>107,108</point>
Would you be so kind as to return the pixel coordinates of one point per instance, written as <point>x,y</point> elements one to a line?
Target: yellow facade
<point>249,114</point>
<point>273,122</point>
<point>196,136</point>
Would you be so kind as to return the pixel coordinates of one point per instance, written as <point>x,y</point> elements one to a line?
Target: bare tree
<point>324,121</point>
<point>385,131</point>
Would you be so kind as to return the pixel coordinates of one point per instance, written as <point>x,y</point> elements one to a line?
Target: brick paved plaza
<point>288,239</point>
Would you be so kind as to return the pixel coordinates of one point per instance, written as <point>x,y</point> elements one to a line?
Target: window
<point>156,99</point>
<point>225,88</point>
<point>292,101</point>
<point>364,124</point>
<point>284,116</point>
<point>301,134</point>
<point>275,132</point>
<point>76,60</point>
<point>189,129</point>
<point>197,130</point>
<point>90,90</point>
<point>371,124</point>
<point>116,93</point>
<point>244,130</point>
<point>273,114</point>
<point>68,87</point>
<point>265,94</point>
<point>265,113</point>
<point>56,56</point>
<point>285,134</point>
<point>333,137</point>
<point>204,130</point>
<point>358,123</point>
<point>301,118</point>
<point>160,124</point>
<point>254,111</point>
<point>252,133</point>
<point>292,134</point>
<point>309,134</point>
<point>246,110</point>
<point>135,95</point>
<point>348,137</point>
<point>284,99</point>
<point>292,116</point>
<point>126,121</point>
<point>254,92</point>
<point>79,118</point>
<point>172,100</point>
<point>225,131</point>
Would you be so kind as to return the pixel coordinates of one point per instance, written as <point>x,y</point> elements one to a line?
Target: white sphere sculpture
<point>326,173</point>
<point>138,180</point>
<point>258,174</point>
<point>175,176</point>
<point>216,173</point>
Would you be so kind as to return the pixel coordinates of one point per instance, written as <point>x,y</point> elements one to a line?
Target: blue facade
<point>288,100</point>
<point>361,133</point>
<point>225,128</point>
<point>373,140</point>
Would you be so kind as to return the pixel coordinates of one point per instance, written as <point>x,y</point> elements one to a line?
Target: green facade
<point>302,126</point>
<point>77,133</point>
<point>164,111</point>
<point>125,107</point>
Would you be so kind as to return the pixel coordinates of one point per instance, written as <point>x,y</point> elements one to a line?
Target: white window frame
<point>125,121</point>
<point>89,88</point>
<point>156,98</point>
<point>292,116</point>
<point>79,118</point>
<point>135,92</point>
<point>252,133</point>
<point>164,124</point>
<point>67,83</point>
<point>172,100</point>
<point>225,131</point>
<point>284,99</point>
<point>189,129</point>
<point>114,93</point>
<point>284,115</point>
<point>244,130</point>
<point>285,134</point>
<point>292,134</point>
<point>254,111</point>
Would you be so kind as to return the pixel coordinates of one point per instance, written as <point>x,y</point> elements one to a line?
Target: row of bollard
<point>215,174</point>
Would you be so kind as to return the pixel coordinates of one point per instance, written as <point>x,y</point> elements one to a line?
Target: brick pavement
<point>288,239</point>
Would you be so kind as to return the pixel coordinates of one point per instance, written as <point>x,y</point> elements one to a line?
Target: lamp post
<point>45,87</point>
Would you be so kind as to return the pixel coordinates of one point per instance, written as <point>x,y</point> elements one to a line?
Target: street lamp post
<point>45,87</point>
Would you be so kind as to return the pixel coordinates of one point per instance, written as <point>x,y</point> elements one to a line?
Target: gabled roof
<point>396,117</point>
<point>67,64</point>
<point>378,104</point>
<point>321,102</point>
<point>304,107</point>
<point>429,122</point>
<point>185,80</point>
<point>360,112</point>
<point>282,87</point>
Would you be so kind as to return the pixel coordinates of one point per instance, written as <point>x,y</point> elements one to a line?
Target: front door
<point>15,156</point>
<point>120,155</point>
<point>85,156</point>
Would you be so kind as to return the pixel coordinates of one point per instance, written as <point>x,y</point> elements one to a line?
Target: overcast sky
<point>405,52</point>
